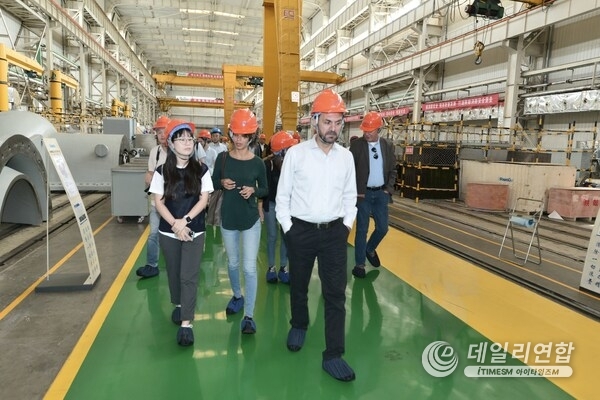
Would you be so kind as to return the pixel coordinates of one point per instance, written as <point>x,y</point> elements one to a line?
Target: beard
<point>329,137</point>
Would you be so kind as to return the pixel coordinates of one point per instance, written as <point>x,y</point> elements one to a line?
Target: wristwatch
<point>188,219</point>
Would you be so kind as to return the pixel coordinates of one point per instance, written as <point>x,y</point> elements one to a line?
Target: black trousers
<point>328,246</point>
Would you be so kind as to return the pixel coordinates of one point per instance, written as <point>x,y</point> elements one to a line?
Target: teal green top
<point>237,213</point>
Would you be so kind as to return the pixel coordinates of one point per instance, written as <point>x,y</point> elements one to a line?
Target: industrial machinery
<point>491,9</point>
<point>24,198</point>
<point>27,175</point>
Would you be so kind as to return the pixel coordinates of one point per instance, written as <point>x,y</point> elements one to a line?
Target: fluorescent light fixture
<point>227,33</point>
<point>204,42</point>
<point>195,29</point>
<point>206,12</point>
<point>208,30</point>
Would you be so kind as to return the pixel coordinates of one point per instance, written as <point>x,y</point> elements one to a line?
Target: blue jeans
<point>245,251</point>
<point>375,203</point>
<point>152,248</point>
<point>272,230</point>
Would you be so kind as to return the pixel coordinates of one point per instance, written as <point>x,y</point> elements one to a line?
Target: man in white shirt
<point>158,156</point>
<point>211,155</point>
<point>215,136</point>
<point>316,207</point>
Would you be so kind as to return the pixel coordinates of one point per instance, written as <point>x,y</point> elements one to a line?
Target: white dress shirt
<point>315,186</point>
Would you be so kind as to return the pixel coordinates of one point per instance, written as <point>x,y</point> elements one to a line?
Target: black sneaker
<point>147,271</point>
<point>185,336</point>
<point>359,271</point>
<point>374,259</point>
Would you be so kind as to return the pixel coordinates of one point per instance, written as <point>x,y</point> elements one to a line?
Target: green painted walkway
<point>389,324</point>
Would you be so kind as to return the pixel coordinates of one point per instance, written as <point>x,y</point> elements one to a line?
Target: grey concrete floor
<point>38,334</point>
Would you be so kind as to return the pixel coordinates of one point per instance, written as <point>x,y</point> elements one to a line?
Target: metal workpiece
<point>24,198</point>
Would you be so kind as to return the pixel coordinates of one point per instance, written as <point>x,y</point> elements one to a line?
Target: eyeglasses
<point>185,140</point>
<point>375,155</point>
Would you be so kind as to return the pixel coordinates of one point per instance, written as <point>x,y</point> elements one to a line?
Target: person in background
<point>158,155</point>
<point>199,152</point>
<point>261,148</point>
<point>215,136</point>
<point>181,187</point>
<point>280,143</point>
<point>376,172</point>
<point>243,178</point>
<point>316,200</point>
<point>211,155</point>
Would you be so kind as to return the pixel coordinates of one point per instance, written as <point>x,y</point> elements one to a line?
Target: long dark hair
<point>191,174</point>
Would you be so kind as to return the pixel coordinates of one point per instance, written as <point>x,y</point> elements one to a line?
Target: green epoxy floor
<point>389,324</point>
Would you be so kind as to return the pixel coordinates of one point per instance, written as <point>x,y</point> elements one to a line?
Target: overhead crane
<point>196,80</point>
<point>271,92</point>
<point>234,77</point>
<point>166,103</point>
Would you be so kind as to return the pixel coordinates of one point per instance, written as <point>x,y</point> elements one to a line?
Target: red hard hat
<point>372,121</point>
<point>328,101</point>
<point>204,133</point>
<point>282,140</point>
<point>243,122</point>
<point>161,122</point>
<point>176,125</point>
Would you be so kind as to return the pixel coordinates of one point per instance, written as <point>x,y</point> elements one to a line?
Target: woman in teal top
<point>243,178</point>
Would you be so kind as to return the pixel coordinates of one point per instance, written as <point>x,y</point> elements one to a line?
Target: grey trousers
<point>183,265</point>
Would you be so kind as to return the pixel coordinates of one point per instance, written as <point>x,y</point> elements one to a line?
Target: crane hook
<point>478,49</point>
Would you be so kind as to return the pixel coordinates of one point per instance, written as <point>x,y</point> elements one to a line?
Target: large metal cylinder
<point>90,159</point>
<point>26,171</point>
<point>23,177</point>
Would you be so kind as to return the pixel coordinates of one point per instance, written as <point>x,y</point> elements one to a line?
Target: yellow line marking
<point>19,299</point>
<point>594,297</point>
<point>67,373</point>
<point>499,309</point>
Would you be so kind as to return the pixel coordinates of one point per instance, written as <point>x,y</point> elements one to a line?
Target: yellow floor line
<point>499,309</point>
<point>67,373</point>
<point>19,299</point>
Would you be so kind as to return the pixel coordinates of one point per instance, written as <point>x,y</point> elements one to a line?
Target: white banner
<point>72,192</point>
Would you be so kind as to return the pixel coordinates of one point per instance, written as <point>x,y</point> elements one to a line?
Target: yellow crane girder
<point>195,81</point>
<point>166,103</point>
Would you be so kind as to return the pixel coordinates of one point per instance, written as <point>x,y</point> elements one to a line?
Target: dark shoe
<point>271,275</point>
<point>284,276</point>
<point>235,305</point>
<point>339,369</point>
<point>185,336</point>
<point>359,271</point>
<point>248,326</point>
<point>374,259</point>
<point>147,271</point>
<point>295,339</point>
<point>176,316</point>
